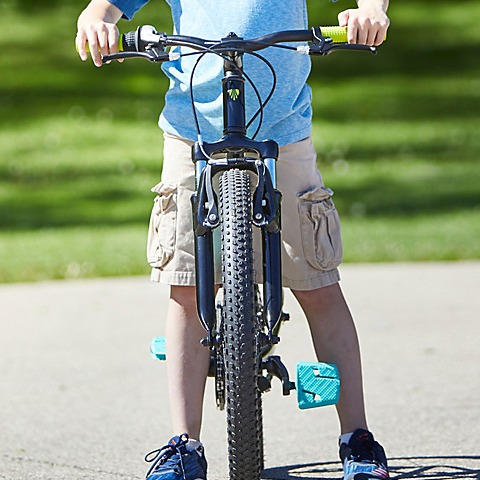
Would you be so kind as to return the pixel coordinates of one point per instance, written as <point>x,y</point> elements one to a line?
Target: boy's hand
<point>97,26</point>
<point>367,24</point>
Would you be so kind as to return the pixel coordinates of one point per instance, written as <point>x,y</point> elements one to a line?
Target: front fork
<point>204,257</point>
<point>266,215</point>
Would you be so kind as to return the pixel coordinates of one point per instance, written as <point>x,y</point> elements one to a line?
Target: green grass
<point>397,138</point>
<point>73,252</point>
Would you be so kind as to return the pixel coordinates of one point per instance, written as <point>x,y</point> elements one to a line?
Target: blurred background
<point>397,137</point>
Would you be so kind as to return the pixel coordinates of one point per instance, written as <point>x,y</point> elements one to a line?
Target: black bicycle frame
<point>236,150</point>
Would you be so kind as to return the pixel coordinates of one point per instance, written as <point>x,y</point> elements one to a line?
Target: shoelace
<point>364,454</point>
<point>161,455</point>
<point>364,450</point>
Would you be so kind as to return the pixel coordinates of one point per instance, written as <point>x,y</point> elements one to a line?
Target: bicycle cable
<point>262,104</point>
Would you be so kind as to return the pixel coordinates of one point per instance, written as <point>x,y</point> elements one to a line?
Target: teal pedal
<point>157,348</point>
<point>318,384</point>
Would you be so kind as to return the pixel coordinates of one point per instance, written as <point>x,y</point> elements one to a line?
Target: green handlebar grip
<point>337,34</point>
<point>120,45</point>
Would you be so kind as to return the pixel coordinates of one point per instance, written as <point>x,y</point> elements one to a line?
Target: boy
<point>310,261</point>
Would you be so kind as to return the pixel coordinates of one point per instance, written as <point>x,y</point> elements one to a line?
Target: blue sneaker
<point>177,461</point>
<point>363,458</point>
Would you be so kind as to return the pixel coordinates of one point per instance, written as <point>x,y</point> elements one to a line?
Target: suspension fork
<point>266,215</point>
<point>272,255</point>
<point>204,256</point>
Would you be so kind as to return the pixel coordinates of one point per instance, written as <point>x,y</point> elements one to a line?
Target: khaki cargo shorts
<point>311,241</point>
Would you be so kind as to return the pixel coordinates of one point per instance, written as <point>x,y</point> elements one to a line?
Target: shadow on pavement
<point>431,467</point>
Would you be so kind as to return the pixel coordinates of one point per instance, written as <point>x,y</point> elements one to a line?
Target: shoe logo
<point>380,472</point>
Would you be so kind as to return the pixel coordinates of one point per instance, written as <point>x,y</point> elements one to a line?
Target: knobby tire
<point>243,399</point>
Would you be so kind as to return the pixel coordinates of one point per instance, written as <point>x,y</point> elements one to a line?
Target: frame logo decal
<point>233,93</point>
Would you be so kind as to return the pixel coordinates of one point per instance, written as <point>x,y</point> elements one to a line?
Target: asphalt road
<point>81,398</point>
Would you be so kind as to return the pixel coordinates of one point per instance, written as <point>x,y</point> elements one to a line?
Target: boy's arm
<point>368,23</point>
<point>97,26</point>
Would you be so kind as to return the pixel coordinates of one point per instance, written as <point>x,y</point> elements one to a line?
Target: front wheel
<point>243,399</point>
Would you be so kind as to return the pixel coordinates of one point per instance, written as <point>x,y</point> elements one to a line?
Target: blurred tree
<point>29,5</point>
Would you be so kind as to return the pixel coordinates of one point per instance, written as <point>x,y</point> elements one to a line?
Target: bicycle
<point>242,331</point>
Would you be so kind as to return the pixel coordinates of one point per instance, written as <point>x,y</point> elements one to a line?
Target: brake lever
<point>152,55</point>
<point>328,48</point>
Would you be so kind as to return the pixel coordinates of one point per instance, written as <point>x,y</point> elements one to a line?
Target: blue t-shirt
<point>287,117</point>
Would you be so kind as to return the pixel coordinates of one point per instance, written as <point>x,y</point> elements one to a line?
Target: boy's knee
<point>318,297</point>
<point>183,295</point>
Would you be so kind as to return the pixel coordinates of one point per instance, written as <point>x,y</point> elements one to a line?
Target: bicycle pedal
<point>318,384</point>
<point>157,348</point>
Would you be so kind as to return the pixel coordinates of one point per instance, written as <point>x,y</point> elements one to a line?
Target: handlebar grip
<point>336,33</point>
<point>126,43</point>
<point>120,45</point>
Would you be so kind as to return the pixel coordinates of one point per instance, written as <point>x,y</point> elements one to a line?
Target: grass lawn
<point>396,135</point>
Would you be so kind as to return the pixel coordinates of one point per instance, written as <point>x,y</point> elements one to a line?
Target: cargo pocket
<point>320,229</point>
<point>161,232</point>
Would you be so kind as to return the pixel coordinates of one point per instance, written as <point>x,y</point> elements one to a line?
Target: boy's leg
<point>171,248</point>
<point>309,263</point>
<point>171,254</point>
<point>187,362</point>
<point>335,340</point>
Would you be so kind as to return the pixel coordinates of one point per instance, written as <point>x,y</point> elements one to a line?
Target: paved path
<point>80,398</point>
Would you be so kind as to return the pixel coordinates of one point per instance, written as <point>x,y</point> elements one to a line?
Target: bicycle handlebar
<point>147,43</point>
<point>147,34</point>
